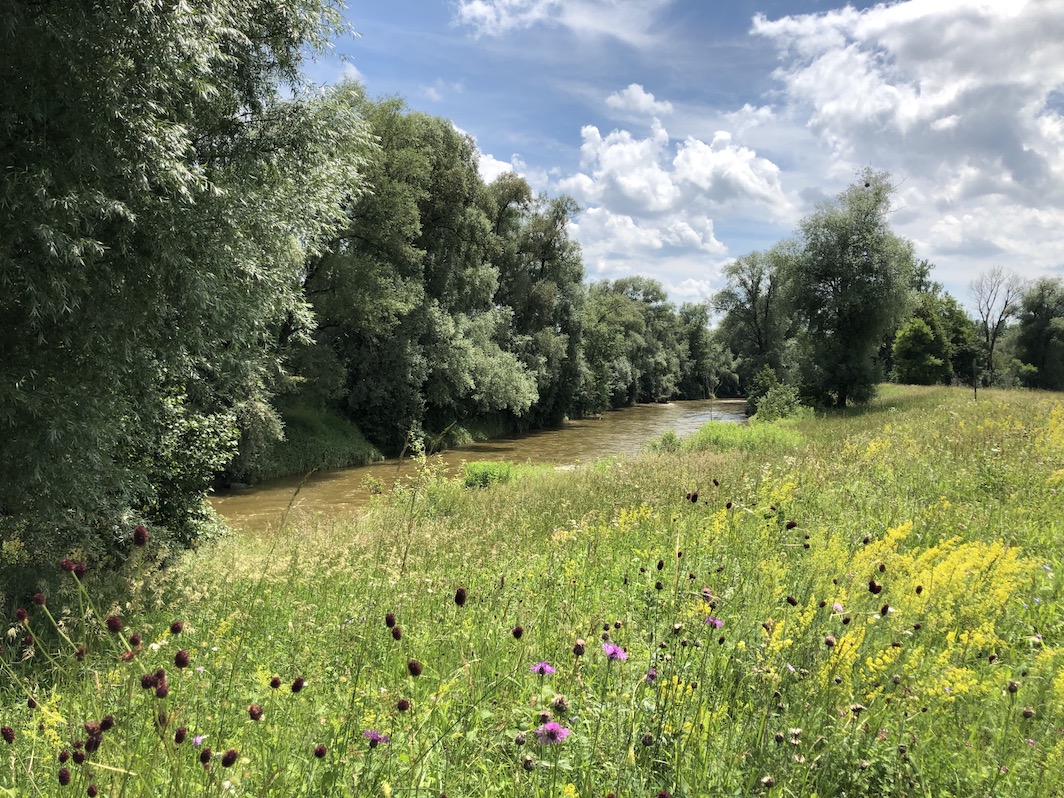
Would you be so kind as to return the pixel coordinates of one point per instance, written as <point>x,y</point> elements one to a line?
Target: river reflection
<point>345,491</point>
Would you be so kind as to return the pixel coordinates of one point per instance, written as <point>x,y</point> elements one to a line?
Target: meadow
<point>867,603</point>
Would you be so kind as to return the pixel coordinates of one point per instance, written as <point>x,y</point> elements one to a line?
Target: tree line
<point>845,304</point>
<point>443,299</point>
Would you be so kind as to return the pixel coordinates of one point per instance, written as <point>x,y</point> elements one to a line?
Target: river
<point>345,491</point>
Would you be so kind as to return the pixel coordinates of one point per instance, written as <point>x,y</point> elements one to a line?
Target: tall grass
<point>869,604</point>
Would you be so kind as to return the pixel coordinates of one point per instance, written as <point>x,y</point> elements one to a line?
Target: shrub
<point>481,475</point>
<point>781,401</point>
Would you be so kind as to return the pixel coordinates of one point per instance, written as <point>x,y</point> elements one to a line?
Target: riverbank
<point>341,492</point>
<point>864,603</point>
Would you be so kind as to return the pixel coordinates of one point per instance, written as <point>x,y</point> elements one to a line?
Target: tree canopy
<point>166,175</point>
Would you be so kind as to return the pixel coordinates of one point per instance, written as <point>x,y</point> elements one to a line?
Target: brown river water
<point>345,491</point>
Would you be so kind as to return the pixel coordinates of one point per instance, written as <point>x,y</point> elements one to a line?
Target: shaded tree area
<point>1039,340</point>
<point>166,176</point>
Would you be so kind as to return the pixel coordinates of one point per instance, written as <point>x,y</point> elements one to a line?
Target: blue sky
<point>693,131</point>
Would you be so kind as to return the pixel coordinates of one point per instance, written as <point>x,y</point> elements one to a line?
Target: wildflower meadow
<point>867,603</point>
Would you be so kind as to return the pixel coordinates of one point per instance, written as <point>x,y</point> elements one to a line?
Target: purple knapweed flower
<point>198,739</point>
<point>551,733</point>
<point>614,651</point>
<point>543,669</point>
<point>716,623</point>
<point>375,737</point>
<point>652,675</point>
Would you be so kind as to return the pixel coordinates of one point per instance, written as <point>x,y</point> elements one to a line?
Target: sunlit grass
<point>871,607</point>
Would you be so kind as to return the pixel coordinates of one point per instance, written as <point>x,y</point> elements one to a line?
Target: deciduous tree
<point>849,284</point>
<point>165,176</point>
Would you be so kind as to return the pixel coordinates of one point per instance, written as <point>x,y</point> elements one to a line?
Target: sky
<point>691,132</point>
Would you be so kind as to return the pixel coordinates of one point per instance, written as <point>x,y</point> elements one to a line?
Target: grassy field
<point>862,604</point>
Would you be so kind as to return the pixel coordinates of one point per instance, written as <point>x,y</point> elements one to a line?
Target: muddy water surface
<point>346,491</point>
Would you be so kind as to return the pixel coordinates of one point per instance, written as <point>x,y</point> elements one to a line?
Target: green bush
<point>667,443</point>
<point>481,475</point>
<point>781,401</point>
<point>724,436</point>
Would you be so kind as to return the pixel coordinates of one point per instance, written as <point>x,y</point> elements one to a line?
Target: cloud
<point>491,167</point>
<point>651,200</point>
<point>352,72</point>
<point>960,100</point>
<point>441,89</point>
<point>653,176</point>
<point>636,99</point>
<point>629,21</point>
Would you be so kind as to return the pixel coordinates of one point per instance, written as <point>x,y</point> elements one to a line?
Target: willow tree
<point>165,175</point>
<point>849,284</point>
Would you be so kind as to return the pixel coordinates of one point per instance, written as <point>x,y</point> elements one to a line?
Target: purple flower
<point>197,740</point>
<point>614,651</point>
<point>551,733</point>
<point>375,737</point>
<point>542,669</point>
<point>652,675</point>
<point>715,622</point>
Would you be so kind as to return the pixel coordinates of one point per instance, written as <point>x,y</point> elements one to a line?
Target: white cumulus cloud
<point>960,100</point>
<point>638,100</point>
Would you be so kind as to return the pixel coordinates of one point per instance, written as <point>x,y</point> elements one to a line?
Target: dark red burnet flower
<point>80,569</point>
<point>402,705</point>
<point>460,596</point>
<point>177,627</point>
<point>298,684</point>
<point>397,633</point>
<point>180,735</point>
<point>275,682</point>
<point>517,632</point>
<point>39,599</point>
<point>389,620</point>
<point>255,712</point>
<point>181,658</point>
<point>107,723</point>
<point>8,734</point>
<point>67,565</point>
<point>92,791</point>
<point>114,624</point>
<point>63,776</point>
<point>21,615</point>
<point>205,755</point>
<point>140,535</point>
<point>229,758</point>
<point>320,751</point>
<point>414,667</point>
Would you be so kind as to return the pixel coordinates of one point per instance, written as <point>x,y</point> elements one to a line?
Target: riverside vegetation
<point>867,603</point>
